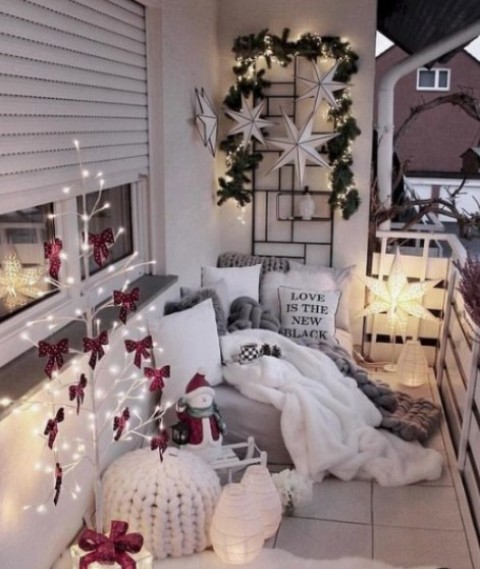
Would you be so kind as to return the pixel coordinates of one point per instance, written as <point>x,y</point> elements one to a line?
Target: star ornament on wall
<point>398,298</point>
<point>322,87</point>
<point>206,120</point>
<point>249,122</point>
<point>300,146</point>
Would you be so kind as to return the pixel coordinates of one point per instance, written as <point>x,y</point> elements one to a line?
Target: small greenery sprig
<point>241,158</point>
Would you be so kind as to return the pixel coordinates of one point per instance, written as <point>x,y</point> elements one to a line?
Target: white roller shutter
<point>71,69</point>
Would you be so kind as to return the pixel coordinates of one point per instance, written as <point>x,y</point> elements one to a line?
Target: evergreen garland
<point>241,159</point>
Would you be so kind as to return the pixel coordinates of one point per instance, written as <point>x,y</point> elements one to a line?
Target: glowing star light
<point>17,283</point>
<point>398,298</point>
<point>249,122</point>
<point>206,120</point>
<point>322,87</point>
<point>299,146</point>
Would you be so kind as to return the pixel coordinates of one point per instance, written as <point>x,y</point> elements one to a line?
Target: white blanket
<point>327,424</point>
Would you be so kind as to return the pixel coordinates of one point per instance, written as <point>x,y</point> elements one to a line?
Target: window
<point>433,79</point>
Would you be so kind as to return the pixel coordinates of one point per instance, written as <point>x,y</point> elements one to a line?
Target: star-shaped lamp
<point>206,120</point>
<point>249,122</point>
<point>322,87</point>
<point>300,146</point>
<point>18,283</point>
<point>398,298</point>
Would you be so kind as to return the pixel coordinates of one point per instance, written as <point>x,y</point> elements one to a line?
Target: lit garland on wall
<point>241,158</point>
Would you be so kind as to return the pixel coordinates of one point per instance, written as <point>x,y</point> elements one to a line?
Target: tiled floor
<point>408,526</point>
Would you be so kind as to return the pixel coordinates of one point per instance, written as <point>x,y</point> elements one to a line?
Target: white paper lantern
<point>412,365</point>
<point>237,529</point>
<point>259,483</point>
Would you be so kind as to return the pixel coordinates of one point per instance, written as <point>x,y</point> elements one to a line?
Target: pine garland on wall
<point>241,159</point>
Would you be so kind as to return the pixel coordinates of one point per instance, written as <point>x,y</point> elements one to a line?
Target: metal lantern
<point>237,529</point>
<point>412,364</point>
<point>259,483</point>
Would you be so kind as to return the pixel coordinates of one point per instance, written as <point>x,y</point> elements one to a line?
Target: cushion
<point>220,287</point>
<point>307,313</point>
<point>189,342</point>
<point>240,281</point>
<point>231,259</point>
<point>309,277</point>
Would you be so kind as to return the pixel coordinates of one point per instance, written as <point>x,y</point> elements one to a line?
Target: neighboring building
<point>435,146</point>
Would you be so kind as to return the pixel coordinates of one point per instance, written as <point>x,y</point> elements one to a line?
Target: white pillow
<point>189,343</point>
<point>241,281</point>
<point>307,314</point>
<point>309,277</point>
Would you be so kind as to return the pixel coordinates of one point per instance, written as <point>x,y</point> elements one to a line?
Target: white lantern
<point>237,529</point>
<point>259,483</point>
<point>412,364</point>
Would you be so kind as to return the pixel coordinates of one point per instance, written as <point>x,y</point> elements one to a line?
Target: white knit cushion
<point>170,503</point>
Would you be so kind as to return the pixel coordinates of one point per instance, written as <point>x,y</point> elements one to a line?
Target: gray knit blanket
<point>412,419</point>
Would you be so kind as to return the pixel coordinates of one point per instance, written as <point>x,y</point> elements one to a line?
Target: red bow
<point>58,482</point>
<point>55,351</point>
<point>100,242</point>
<point>110,549</point>
<point>157,375</point>
<point>140,348</point>
<point>52,252</point>
<point>119,423</point>
<point>78,391</point>
<point>51,428</point>
<point>160,443</point>
<point>127,300</point>
<point>94,345</point>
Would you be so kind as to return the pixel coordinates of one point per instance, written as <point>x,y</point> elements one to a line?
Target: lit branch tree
<point>130,382</point>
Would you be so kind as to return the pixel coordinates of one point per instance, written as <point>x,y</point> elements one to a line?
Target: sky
<point>383,43</point>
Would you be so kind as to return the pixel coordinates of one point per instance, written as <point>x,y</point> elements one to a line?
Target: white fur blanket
<point>327,424</point>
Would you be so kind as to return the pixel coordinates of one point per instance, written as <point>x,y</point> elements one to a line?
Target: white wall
<point>354,21</point>
<point>189,60</point>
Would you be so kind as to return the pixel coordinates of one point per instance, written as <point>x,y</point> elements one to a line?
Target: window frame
<point>64,302</point>
<point>436,71</point>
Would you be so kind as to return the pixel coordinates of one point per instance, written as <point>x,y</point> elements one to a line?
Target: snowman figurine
<point>199,413</point>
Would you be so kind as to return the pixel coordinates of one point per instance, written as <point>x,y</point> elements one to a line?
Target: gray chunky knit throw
<point>412,419</point>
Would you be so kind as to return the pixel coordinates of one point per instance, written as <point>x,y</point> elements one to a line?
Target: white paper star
<point>249,122</point>
<point>398,298</point>
<point>206,120</point>
<point>18,283</point>
<point>299,146</point>
<point>322,87</point>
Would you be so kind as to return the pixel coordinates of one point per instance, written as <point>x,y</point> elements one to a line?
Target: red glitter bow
<point>52,251</point>
<point>51,428</point>
<point>111,549</point>
<point>94,345</point>
<point>55,351</point>
<point>127,300</point>
<point>78,391</point>
<point>157,375</point>
<point>120,422</point>
<point>100,242</point>
<point>160,443</point>
<point>140,348</point>
<point>58,482</point>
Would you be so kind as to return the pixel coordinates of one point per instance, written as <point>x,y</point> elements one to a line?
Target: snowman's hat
<point>198,384</point>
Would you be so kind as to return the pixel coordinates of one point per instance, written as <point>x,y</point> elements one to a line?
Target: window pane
<point>443,79</point>
<point>22,258</point>
<point>426,78</point>
<point>118,215</point>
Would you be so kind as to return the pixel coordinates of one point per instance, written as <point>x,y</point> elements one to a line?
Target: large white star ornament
<point>322,87</point>
<point>18,283</point>
<point>249,122</point>
<point>299,146</point>
<point>398,298</point>
<point>206,120</point>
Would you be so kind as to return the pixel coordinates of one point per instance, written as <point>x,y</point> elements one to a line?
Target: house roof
<point>415,24</point>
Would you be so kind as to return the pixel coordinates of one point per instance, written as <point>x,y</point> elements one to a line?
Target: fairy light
<point>5,402</point>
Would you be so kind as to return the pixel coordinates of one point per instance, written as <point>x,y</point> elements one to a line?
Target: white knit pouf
<point>170,503</point>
